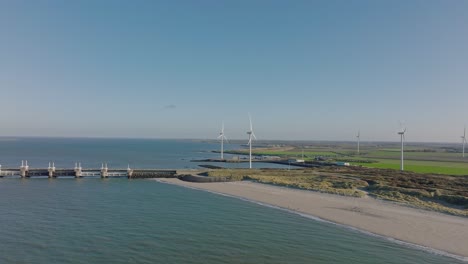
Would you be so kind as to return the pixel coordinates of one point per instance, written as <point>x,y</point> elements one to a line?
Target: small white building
<point>339,163</point>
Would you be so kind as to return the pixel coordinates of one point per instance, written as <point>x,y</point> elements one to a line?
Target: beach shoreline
<point>438,233</point>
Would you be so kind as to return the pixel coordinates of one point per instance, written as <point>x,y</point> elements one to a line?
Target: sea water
<point>117,153</point>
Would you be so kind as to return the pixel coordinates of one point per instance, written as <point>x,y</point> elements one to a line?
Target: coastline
<point>446,234</point>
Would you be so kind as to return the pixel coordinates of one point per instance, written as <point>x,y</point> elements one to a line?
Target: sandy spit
<point>434,230</point>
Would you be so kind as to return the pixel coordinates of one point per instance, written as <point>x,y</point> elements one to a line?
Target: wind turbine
<point>222,137</point>
<point>402,136</point>
<point>358,140</point>
<point>251,134</point>
<point>463,142</point>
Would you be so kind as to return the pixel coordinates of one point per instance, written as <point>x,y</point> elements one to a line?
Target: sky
<point>304,70</point>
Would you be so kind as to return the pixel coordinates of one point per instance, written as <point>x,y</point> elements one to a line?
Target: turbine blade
<point>225,138</point>
<point>250,121</point>
<point>253,135</point>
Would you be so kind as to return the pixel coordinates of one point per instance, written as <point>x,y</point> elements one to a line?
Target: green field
<point>307,154</point>
<point>439,167</point>
<point>421,158</point>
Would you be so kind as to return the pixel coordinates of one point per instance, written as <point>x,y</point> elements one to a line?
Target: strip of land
<point>430,229</point>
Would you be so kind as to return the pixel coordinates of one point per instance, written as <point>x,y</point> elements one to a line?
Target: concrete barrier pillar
<point>24,169</point>
<point>129,172</point>
<point>51,170</point>
<point>104,171</point>
<point>78,170</point>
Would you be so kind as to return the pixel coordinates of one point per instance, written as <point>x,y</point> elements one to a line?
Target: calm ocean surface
<point>144,221</point>
<point>118,153</point>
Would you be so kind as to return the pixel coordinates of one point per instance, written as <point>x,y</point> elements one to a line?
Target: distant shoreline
<point>447,234</point>
<point>239,141</point>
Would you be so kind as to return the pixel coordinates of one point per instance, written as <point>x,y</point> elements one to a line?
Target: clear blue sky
<point>313,70</point>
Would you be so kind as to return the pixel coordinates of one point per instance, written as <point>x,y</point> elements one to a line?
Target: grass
<point>389,160</point>
<point>420,159</point>
<point>292,153</point>
<point>414,155</point>
<point>302,179</point>
<point>438,167</point>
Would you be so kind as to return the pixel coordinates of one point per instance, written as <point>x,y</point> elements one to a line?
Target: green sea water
<point>74,221</point>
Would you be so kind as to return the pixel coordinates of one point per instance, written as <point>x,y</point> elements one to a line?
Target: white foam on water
<point>315,218</point>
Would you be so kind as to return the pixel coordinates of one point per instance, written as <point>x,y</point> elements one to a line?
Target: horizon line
<point>214,139</point>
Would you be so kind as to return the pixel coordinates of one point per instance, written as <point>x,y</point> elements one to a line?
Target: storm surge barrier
<point>78,172</point>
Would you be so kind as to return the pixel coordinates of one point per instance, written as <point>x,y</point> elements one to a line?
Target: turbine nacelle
<point>402,133</point>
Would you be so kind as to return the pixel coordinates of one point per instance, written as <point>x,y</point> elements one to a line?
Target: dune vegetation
<point>441,193</point>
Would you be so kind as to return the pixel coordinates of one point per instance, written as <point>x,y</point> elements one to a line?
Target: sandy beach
<point>429,229</point>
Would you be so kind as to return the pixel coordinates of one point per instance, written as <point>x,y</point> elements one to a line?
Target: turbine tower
<point>358,140</point>
<point>463,142</point>
<point>251,134</point>
<point>402,136</point>
<point>222,137</point>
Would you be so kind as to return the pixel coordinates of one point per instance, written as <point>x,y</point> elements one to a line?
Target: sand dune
<point>430,229</point>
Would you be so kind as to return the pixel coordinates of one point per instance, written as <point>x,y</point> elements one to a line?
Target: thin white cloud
<point>171,106</point>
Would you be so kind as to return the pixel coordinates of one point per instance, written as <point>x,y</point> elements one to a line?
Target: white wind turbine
<point>463,142</point>
<point>402,136</point>
<point>222,137</point>
<point>251,134</point>
<point>358,140</point>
